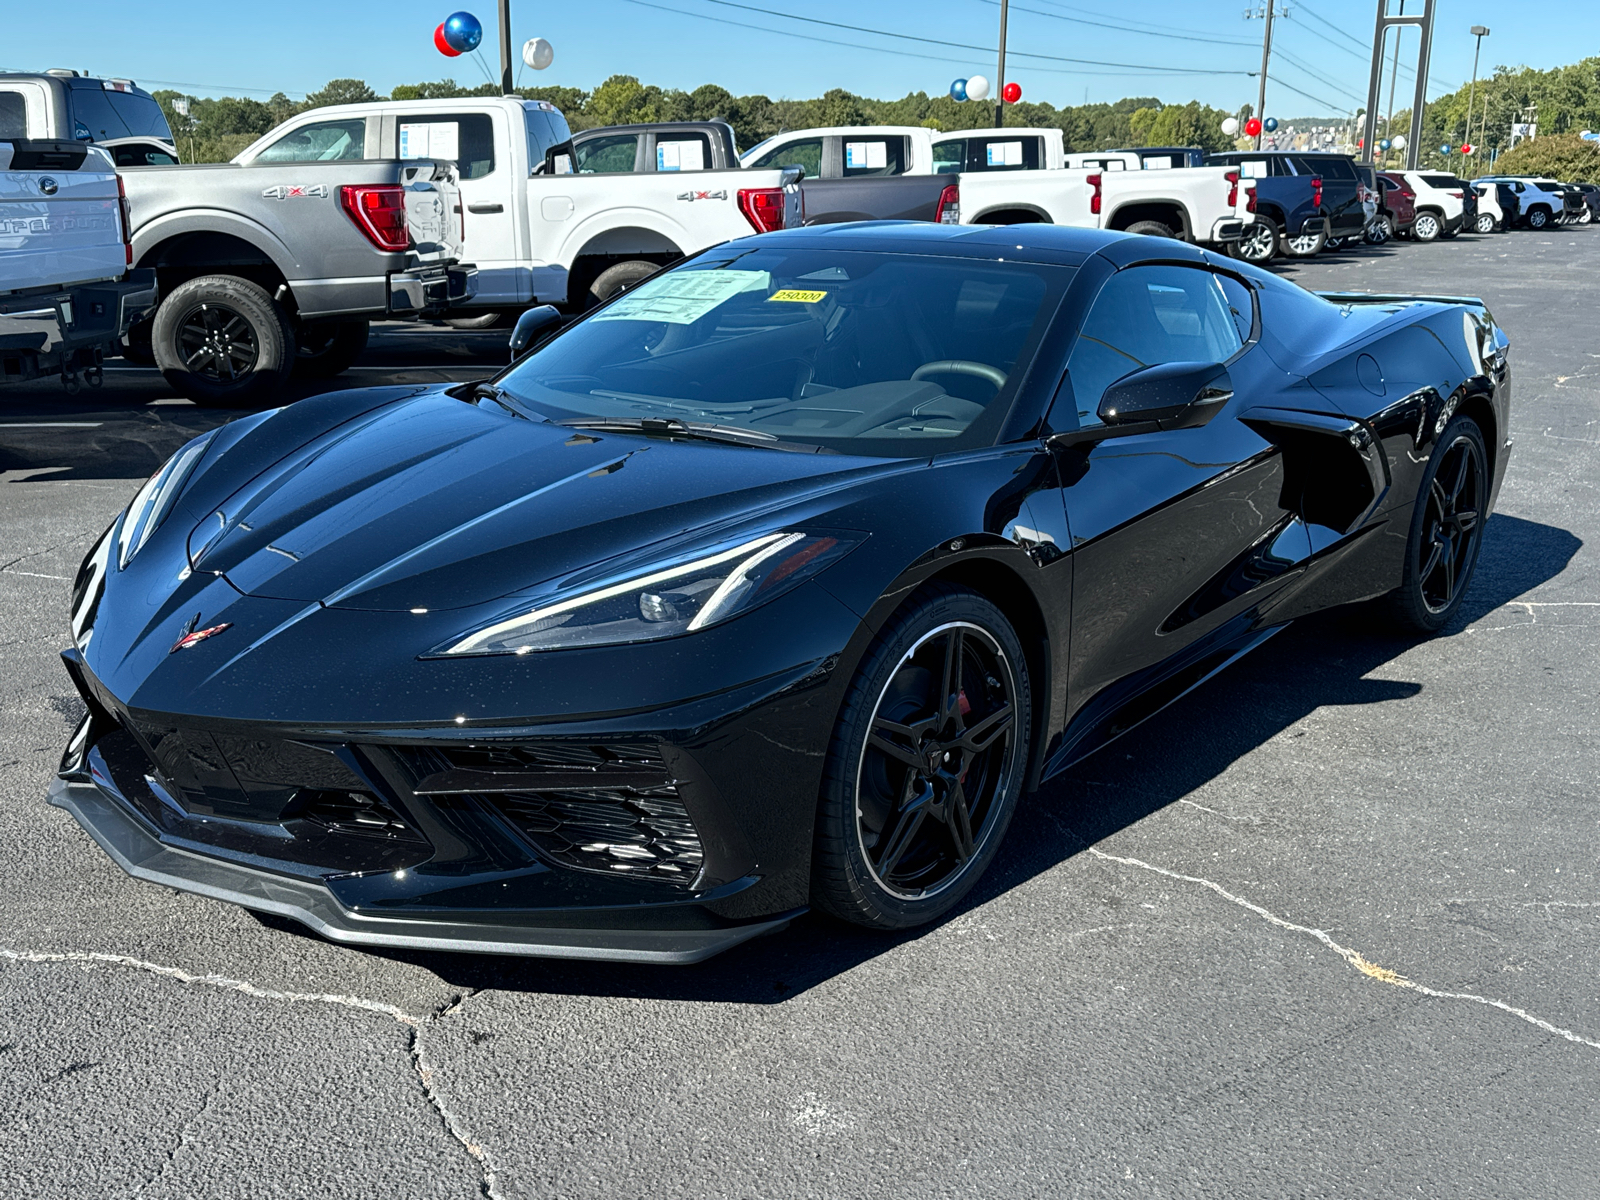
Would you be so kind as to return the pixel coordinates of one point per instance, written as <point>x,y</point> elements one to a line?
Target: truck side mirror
<point>530,325</point>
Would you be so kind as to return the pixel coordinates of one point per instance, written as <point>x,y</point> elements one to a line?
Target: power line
<point>1130,27</point>
<point>1181,37</point>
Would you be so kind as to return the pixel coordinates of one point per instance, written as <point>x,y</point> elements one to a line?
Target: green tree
<point>1563,156</point>
<point>341,91</point>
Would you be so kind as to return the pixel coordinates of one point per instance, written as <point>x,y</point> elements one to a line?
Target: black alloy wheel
<point>217,343</point>
<point>219,339</point>
<point>1259,243</point>
<point>926,764</point>
<point>1446,529</point>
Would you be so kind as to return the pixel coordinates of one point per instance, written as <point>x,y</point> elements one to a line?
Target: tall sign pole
<point>505,47</point>
<point>1480,32</point>
<point>1266,53</point>
<point>1000,74</point>
<point>1419,102</point>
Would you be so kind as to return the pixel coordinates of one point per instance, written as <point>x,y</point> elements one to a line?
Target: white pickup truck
<point>1022,176</point>
<point>539,233</point>
<point>66,292</point>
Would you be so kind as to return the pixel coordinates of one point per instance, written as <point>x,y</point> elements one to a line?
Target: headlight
<point>673,599</point>
<point>156,498</point>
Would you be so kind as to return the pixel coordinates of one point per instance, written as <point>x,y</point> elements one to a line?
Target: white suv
<point>1441,204</point>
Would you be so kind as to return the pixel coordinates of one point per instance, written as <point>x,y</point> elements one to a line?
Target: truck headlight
<point>673,599</point>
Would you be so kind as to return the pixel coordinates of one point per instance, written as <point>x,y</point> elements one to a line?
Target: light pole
<point>1000,81</point>
<point>1480,32</point>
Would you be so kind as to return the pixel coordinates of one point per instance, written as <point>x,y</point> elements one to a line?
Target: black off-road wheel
<point>926,763</point>
<point>1446,530</point>
<point>324,349</point>
<point>221,340</point>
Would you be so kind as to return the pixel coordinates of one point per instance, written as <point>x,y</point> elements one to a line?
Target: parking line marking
<point>51,424</point>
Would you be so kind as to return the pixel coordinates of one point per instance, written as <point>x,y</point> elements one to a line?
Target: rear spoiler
<point>1387,298</point>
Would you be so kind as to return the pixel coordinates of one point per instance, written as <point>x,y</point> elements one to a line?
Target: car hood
<point>432,503</point>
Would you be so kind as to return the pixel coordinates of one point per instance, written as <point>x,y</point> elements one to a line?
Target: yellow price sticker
<point>795,296</point>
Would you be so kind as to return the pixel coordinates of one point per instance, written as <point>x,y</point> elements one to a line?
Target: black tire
<point>1427,227</point>
<point>1451,233</point>
<point>221,340</point>
<point>1484,223</point>
<point>1447,522</point>
<point>1259,244</point>
<point>1334,243</point>
<point>136,347</point>
<point>1380,231</point>
<point>1305,245</point>
<point>487,320</point>
<point>324,349</point>
<point>918,773</point>
<point>1150,229</point>
<point>1538,217</point>
<point>616,278</point>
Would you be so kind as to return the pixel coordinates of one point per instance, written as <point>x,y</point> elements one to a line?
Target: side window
<point>606,155</point>
<point>1144,316</point>
<point>874,156</point>
<point>1241,305</point>
<point>93,118</point>
<point>14,115</point>
<point>141,114</point>
<point>949,157</point>
<point>467,139</point>
<point>1004,154</point>
<point>137,155</point>
<point>325,141</point>
<point>805,153</point>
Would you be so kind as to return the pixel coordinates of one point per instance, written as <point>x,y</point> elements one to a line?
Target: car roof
<point>1059,244</point>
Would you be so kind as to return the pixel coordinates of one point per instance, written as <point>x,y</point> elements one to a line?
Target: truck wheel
<point>1305,245</point>
<point>1427,227</point>
<point>618,278</point>
<point>1150,229</point>
<point>1259,243</point>
<point>221,340</point>
<point>485,320</point>
<point>324,349</point>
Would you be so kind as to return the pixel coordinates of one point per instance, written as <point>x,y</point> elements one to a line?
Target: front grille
<point>356,813</point>
<point>608,808</point>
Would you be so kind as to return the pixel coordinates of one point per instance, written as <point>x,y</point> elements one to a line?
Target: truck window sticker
<point>1158,162</point>
<point>1254,169</point>
<point>1004,154</point>
<point>687,155</point>
<point>430,139</point>
<point>682,297</point>
<point>865,155</point>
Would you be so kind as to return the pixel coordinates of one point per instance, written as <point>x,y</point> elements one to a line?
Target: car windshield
<point>892,355</point>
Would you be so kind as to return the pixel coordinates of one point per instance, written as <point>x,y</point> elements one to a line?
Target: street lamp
<point>1480,32</point>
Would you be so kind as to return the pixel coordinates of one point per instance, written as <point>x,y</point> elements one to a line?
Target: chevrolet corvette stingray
<point>778,582</point>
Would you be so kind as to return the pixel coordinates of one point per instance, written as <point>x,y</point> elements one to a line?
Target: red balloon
<point>1466,148</point>
<point>444,47</point>
<point>1252,126</point>
<point>1012,93</point>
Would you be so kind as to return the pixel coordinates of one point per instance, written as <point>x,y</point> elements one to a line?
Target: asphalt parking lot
<point>1327,927</point>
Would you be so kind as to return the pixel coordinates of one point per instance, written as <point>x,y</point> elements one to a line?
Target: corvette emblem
<point>193,637</point>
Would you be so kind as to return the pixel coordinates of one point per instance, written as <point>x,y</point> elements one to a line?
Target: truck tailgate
<point>433,210</point>
<point>58,226</point>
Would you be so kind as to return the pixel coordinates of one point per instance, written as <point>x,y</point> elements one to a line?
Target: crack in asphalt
<point>185,1138</point>
<point>487,1183</point>
<point>1353,957</point>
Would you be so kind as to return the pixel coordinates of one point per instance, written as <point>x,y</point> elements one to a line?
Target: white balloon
<point>538,53</point>
<point>977,88</point>
<point>1230,126</point>
<point>1398,141</point>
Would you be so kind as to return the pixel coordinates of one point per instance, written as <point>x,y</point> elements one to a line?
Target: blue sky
<point>225,47</point>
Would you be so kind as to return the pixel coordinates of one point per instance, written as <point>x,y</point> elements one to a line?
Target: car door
<point>479,143</point>
<point>1178,533</point>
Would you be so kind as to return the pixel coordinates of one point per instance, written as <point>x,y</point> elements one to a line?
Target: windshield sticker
<point>870,155</point>
<point>682,297</point>
<point>795,296</point>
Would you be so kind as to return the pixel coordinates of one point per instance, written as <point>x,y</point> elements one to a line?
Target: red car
<point>1399,202</point>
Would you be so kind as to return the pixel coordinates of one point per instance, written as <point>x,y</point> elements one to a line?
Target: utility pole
<point>1394,75</point>
<point>999,76</point>
<point>1261,92</point>
<point>1480,32</point>
<point>505,48</point>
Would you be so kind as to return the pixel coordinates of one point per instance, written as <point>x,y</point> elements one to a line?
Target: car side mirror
<point>530,325</point>
<point>1177,395</point>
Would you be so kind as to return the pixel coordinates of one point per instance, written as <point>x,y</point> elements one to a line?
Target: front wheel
<point>1446,529</point>
<point>1305,245</point>
<point>1380,231</point>
<point>1259,243</point>
<point>1484,223</point>
<point>927,761</point>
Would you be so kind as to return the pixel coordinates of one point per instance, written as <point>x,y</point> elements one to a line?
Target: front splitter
<point>141,854</point>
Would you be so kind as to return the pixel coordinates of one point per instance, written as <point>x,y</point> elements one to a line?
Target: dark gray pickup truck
<point>854,176</point>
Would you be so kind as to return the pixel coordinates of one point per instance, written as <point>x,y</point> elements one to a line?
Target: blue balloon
<point>1270,124</point>
<point>1444,149</point>
<point>1384,144</point>
<point>958,90</point>
<point>463,32</point>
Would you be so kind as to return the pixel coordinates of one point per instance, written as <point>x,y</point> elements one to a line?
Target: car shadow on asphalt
<point>1320,661</point>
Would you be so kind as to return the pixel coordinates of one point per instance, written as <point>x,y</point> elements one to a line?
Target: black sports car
<point>776,582</point>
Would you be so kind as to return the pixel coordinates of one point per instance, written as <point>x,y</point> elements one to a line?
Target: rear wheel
<point>1259,243</point>
<point>1427,228</point>
<point>617,278</point>
<point>1305,245</point>
<point>219,339</point>
<point>1333,243</point>
<point>324,349</point>
<point>1446,530</point>
<point>485,320</point>
<point>1151,229</point>
<point>926,764</point>
<point>1538,218</point>
<point>1484,223</point>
